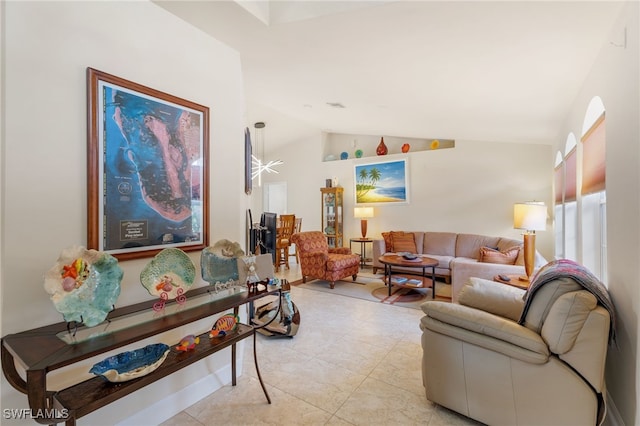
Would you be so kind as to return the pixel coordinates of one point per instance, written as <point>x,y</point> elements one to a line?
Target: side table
<point>514,280</point>
<point>363,248</point>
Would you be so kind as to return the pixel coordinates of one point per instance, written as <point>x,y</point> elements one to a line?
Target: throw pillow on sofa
<point>491,255</point>
<point>404,243</point>
<point>399,241</point>
<point>388,242</point>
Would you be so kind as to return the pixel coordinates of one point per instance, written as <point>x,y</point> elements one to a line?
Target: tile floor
<point>353,362</point>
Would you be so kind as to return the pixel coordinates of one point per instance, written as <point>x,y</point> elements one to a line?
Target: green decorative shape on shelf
<point>169,271</point>
<point>219,263</point>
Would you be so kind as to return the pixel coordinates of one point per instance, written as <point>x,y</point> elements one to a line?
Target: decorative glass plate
<point>84,285</point>
<point>171,272</point>
<point>133,364</point>
<point>219,262</point>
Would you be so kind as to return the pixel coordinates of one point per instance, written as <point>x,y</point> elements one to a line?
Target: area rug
<point>371,287</point>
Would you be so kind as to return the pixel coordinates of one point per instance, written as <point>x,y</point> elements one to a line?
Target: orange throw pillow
<point>507,257</point>
<point>404,242</point>
<point>388,242</point>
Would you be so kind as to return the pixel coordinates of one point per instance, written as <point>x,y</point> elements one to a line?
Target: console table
<point>51,347</point>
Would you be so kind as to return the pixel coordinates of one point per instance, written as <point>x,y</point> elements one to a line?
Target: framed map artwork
<point>148,169</point>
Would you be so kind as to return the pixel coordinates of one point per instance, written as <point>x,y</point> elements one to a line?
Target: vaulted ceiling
<point>504,71</point>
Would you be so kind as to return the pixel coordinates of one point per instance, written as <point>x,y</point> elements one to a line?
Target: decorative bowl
<point>132,364</point>
<point>219,262</point>
<point>84,285</point>
<point>171,271</point>
<point>409,256</point>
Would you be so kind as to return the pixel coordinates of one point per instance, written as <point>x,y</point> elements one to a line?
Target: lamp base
<point>363,227</point>
<point>529,252</point>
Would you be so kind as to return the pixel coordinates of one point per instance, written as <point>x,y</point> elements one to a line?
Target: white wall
<point>614,78</point>
<point>470,188</point>
<point>47,48</point>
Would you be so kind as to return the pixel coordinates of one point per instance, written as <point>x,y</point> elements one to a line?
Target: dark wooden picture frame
<point>147,169</point>
<point>248,162</point>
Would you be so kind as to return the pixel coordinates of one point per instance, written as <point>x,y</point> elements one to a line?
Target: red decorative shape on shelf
<point>382,148</point>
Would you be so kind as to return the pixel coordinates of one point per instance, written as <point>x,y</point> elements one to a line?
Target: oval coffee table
<point>394,260</point>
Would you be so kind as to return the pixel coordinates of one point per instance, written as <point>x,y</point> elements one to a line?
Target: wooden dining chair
<point>283,242</point>
<point>297,228</point>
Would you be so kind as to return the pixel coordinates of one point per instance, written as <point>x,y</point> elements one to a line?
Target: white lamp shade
<point>531,216</point>
<point>362,212</point>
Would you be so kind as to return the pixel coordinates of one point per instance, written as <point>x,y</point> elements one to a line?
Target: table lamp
<point>530,216</point>
<point>363,213</point>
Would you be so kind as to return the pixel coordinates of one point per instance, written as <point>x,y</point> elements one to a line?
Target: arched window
<point>593,192</point>
<point>593,148</point>
<point>580,195</point>
<point>570,205</point>
<point>558,207</point>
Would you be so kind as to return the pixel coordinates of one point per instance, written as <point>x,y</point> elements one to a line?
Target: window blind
<point>594,158</point>
<point>557,177</point>
<point>570,162</point>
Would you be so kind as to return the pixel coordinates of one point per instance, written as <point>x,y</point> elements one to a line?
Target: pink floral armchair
<point>317,260</point>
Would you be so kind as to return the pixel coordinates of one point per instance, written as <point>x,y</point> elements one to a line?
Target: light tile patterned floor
<point>353,362</point>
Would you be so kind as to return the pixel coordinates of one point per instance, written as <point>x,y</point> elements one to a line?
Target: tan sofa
<point>480,361</point>
<point>458,256</point>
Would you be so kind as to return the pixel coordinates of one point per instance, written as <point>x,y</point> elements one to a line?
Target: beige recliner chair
<point>479,361</point>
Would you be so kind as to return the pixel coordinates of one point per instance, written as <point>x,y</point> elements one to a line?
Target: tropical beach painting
<point>381,183</point>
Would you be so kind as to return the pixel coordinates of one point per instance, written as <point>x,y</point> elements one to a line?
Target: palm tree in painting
<point>364,174</point>
<point>375,176</point>
<point>367,181</point>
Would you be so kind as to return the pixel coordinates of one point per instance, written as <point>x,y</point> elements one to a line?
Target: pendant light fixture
<point>259,166</point>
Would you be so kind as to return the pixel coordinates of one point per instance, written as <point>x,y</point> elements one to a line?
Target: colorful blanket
<point>565,268</point>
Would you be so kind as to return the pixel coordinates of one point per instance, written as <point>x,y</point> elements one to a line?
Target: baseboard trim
<point>179,401</point>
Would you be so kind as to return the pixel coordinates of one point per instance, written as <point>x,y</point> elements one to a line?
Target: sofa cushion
<point>493,297</point>
<point>336,262</point>
<point>468,245</point>
<point>443,261</point>
<point>404,242</point>
<point>440,243</point>
<point>485,330</point>
<point>507,257</point>
<point>506,243</point>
